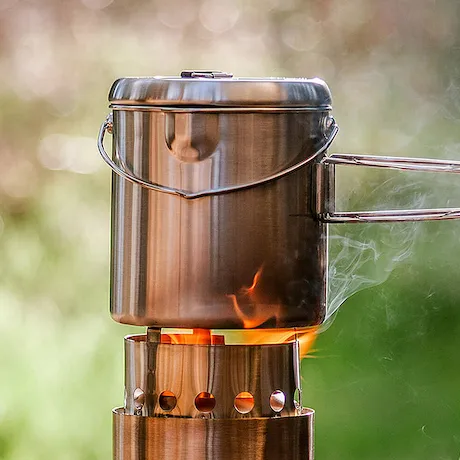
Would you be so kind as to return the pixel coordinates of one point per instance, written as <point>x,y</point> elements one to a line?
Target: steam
<point>368,260</point>
<point>362,255</point>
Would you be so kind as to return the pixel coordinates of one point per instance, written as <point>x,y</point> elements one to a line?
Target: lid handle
<point>205,74</point>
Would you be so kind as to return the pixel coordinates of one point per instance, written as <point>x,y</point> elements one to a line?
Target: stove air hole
<point>205,402</point>
<point>167,400</point>
<point>277,400</point>
<point>298,399</point>
<point>139,398</point>
<point>244,402</point>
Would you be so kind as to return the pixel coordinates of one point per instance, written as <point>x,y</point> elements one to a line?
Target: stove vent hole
<point>277,400</point>
<point>244,402</point>
<point>298,399</point>
<point>139,399</point>
<point>167,400</point>
<point>205,402</point>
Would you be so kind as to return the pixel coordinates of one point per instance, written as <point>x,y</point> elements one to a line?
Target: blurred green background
<point>384,377</point>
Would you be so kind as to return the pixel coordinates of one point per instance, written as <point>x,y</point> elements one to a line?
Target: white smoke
<point>364,254</point>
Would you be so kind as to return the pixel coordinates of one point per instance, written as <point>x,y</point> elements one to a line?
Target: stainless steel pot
<point>222,191</point>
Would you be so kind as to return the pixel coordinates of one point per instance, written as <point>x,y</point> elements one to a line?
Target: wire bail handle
<point>119,167</point>
<point>326,179</point>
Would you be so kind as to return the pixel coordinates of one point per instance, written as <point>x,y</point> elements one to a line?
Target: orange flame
<point>305,337</point>
<point>192,337</point>
<point>260,312</point>
<point>252,316</point>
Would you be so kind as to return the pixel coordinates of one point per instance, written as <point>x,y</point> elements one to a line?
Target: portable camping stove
<point>222,195</point>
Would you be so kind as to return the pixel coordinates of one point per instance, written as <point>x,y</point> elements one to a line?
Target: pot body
<point>255,257</point>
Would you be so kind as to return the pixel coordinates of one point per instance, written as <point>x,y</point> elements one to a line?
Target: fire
<point>305,337</point>
<point>191,337</point>
<point>260,312</point>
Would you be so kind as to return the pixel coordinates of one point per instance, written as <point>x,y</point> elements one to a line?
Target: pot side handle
<point>325,187</point>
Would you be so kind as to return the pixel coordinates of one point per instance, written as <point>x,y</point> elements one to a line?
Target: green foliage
<point>386,375</point>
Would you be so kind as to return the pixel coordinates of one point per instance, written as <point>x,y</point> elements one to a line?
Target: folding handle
<point>400,163</point>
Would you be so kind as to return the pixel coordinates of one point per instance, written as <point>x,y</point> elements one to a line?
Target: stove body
<point>187,401</point>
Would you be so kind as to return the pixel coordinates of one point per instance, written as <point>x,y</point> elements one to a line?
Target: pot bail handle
<point>326,199</point>
<point>119,167</point>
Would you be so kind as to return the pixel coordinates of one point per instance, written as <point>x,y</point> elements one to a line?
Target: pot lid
<point>219,89</point>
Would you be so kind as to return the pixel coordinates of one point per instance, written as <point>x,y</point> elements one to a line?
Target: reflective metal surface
<point>157,438</point>
<point>223,91</point>
<point>223,371</point>
<point>247,247</point>
<point>246,259</point>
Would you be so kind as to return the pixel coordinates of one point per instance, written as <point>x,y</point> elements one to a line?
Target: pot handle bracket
<point>325,182</point>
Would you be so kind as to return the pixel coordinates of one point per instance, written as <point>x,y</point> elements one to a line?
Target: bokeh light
<point>385,385</point>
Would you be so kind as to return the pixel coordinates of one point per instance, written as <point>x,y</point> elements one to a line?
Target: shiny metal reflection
<point>158,438</point>
<point>205,379</point>
<point>183,263</point>
<point>277,400</point>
